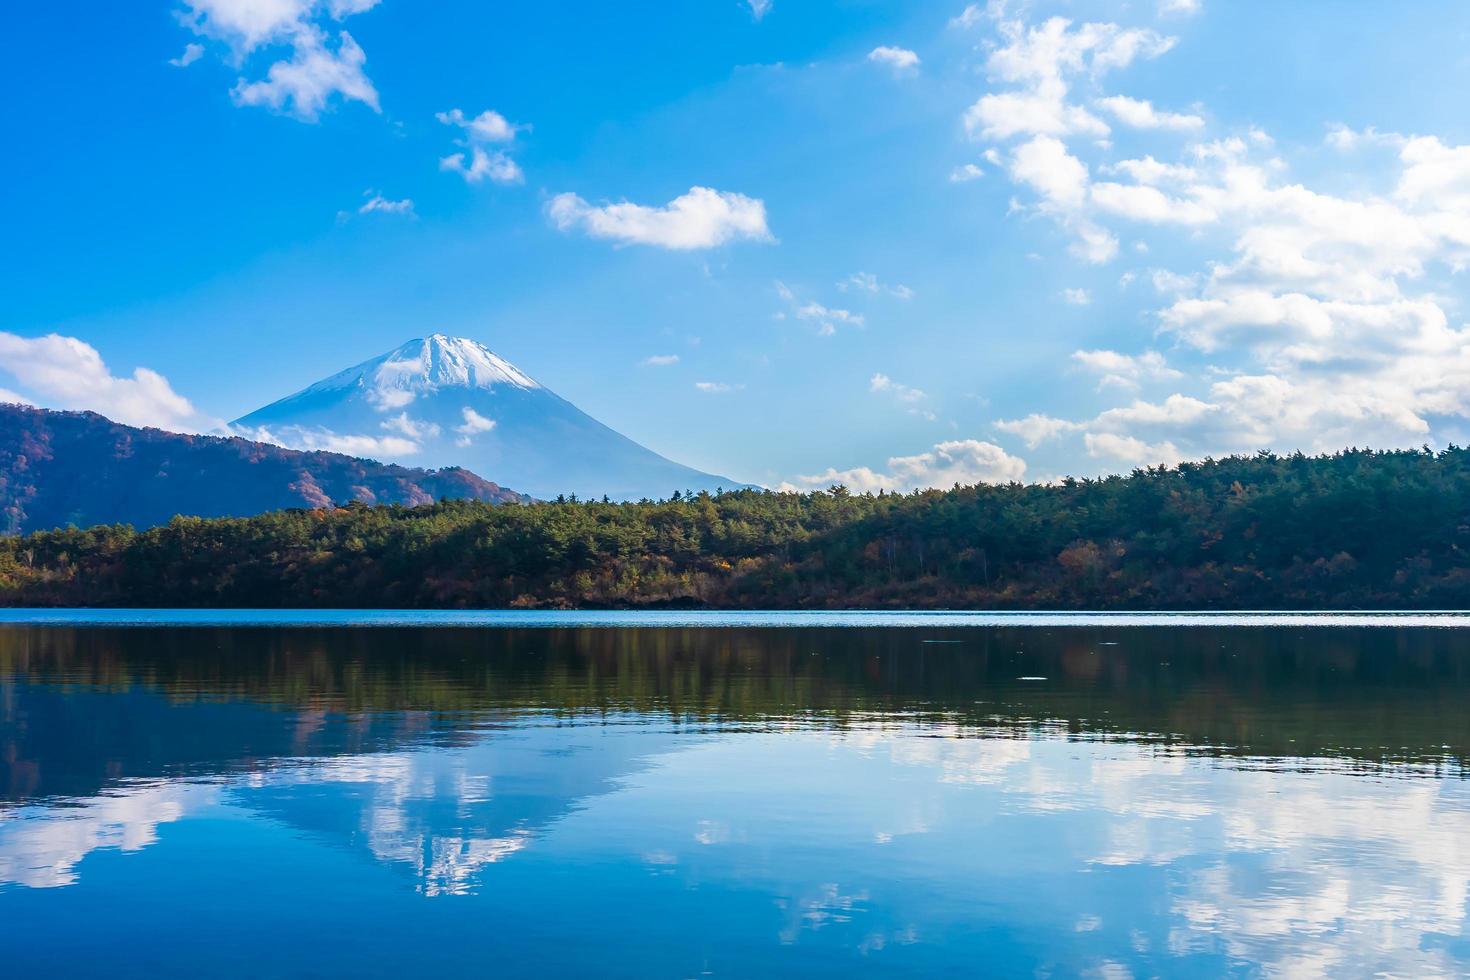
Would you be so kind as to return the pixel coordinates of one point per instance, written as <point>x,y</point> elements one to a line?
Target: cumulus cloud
<point>1041,64</point>
<point>1077,297</point>
<point>483,143</point>
<point>965,173</point>
<point>1140,114</point>
<point>901,60</point>
<point>1035,429</point>
<point>1139,202</point>
<point>1125,370</point>
<point>192,53</point>
<point>961,461</point>
<point>319,69</point>
<point>304,85</point>
<point>1062,181</point>
<point>474,424</point>
<point>488,127</point>
<point>1324,320</point>
<point>702,218</point>
<point>1130,451</point>
<point>64,372</point>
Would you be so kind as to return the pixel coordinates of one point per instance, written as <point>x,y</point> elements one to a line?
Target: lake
<point>680,794</point>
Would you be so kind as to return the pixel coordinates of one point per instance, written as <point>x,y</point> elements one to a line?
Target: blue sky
<point>935,242</point>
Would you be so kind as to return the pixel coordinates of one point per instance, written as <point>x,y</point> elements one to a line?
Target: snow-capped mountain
<point>448,401</point>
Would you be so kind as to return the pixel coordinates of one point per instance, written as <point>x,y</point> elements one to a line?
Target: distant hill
<point>61,468</point>
<point>449,401</point>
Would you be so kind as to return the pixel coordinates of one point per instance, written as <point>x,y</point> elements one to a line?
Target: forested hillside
<point>1356,529</point>
<point>60,468</point>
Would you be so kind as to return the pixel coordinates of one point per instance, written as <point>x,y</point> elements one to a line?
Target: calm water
<point>677,796</point>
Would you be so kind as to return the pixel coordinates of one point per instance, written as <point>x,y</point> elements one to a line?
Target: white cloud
<point>483,164</point>
<point>1173,283</point>
<point>320,439</point>
<point>1140,114</point>
<point>411,428</point>
<point>1077,297</point>
<point>64,372</point>
<point>828,319</point>
<point>1435,175</point>
<point>965,172</point>
<point>1002,115</point>
<point>1131,451</point>
<point>488,127</point>
<point>1117,370</point>
<point>717,387</point>
<point>481,157</point>
<point>972,14</point>
<point>378,204</point>
<point>1060,178</point>
<point>901,60</point>
<point>1035,429</point>
<point>882,383</point>
<point>962,461</point>
<point>474,423</point>
<point>1151,171</point>
<point>192,53</point>
<point>314,75</point>
<point>303,86</point>
<point>1062,181</point>
<point>1184,7</point>
<point>661,360</point>
<point>1346,139</point>
<point>1326,319</point>
<point>247,24</point>
<point>702,218</point>
<point>868,283</point>
<point>1139,202</point>
<point>1041,62</point>
<point>758,9</point>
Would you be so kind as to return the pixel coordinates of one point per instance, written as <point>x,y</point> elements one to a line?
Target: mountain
<point>448,401</point>
<point>59,468</point>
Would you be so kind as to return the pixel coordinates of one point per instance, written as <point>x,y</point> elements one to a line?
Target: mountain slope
<point>59,468</point>
<point>446,401</point>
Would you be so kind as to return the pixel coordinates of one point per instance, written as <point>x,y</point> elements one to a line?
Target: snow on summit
<point>427,364</point>
<point>450,401</point>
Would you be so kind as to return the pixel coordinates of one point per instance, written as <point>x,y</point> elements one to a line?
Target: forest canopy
<point>1356,529</point>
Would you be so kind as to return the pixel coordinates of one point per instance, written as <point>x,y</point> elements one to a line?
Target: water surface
<point>677,796</point>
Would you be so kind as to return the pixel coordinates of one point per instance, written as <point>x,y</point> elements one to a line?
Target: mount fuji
<point>447,401</point>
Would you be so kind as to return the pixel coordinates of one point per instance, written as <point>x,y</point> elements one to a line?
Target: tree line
<point>1355,529</point>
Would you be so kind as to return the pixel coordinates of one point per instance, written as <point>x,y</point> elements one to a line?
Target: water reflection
<point>1167,801</point>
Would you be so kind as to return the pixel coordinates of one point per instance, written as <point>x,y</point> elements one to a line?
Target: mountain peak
<point>449,401</point>
<point>443,361</point>
<point>424,365</point>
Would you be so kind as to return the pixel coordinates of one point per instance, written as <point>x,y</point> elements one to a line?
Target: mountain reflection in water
<point>670,801</point>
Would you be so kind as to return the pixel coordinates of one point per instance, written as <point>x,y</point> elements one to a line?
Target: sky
<point>795,242</point>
